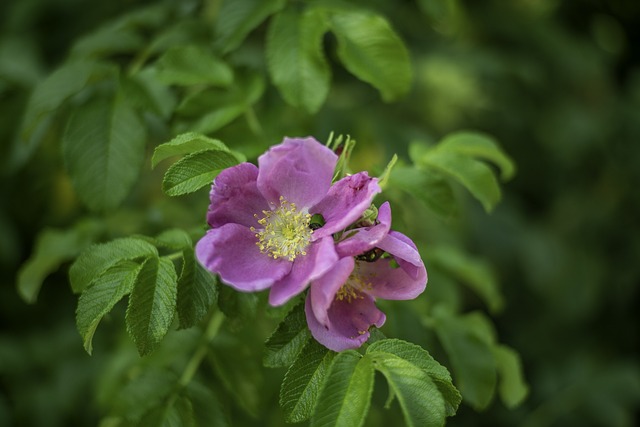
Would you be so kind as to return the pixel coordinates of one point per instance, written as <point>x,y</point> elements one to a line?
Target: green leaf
<point>152,304</point>
<point>422,359</point>
<point>179,413</point>
<point>103,148</point>
<point>427,186</point>
<point>303,381</point>
<point>473,272</point>
<point>197,291</point>
<point>213,109</point>
<point>237,306</point>
<point>512,387</point>
<point>295,57</point>
<point>98,258</point>
<point>237,18</point>
<point>284,345</point>
<point>474,175</point>
<point>207,409</point>
<point>471,355</point>
<point>476,144</point>
<point>106,41</point>
<point>147,94</point>
<point>346,394</point>
<point>195,171</point>
<point>192,65</point>
<point>99,298</point>
<point>54,247</point>
<point>372,51</point>
<point>420,400</point>
<point>149,388</point>
<point>186,143</point>
<point>59,86</point>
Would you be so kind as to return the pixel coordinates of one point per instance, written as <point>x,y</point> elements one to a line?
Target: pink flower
<point>374,263</point>
<point>262,236</point>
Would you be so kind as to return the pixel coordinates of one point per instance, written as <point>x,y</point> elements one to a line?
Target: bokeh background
<point>557,83</point>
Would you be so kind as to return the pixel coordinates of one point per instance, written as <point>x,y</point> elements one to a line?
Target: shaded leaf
<point>147,94</point>
<point>237,18</point>
<point>191,65</point>
<point>99,298</point>
<point>472,358</point>
<point>98,258</point>
<point>303,381</point>
<point>372,51</point>
<point>427,186</point>
<point>103,148</point>
<point>476,144</point>
<point>146,390</point>
<point>283,346</point>
<point>195,171</point>
<point>512,386</point>
<point>207,409</point>
<point>53,248</point>
<point>473,272</point>
<point>152,304</point>
<point>346,394</point>
<point>197,291</point>
<point>295,57</point>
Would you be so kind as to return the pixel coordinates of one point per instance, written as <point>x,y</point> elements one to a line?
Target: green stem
<point>215,321</point>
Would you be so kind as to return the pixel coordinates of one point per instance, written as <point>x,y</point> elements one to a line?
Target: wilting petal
<point>231,252</point>
<point>300,170</point>
<point>345,202</point>
<point>386,282</point>
<point>366,238</point>
<point>320,257</point>
<point>349,322</point>
<point>235,197</point>
<point>323,290</point>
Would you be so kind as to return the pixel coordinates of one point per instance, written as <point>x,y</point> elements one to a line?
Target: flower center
<point>285,232</point>
<point>354,287</point>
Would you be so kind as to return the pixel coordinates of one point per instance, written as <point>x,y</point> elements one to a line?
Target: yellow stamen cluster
<point>355,285</point>
<point>285,231</point>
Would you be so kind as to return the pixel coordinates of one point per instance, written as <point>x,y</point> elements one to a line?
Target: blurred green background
<point>556,82</point>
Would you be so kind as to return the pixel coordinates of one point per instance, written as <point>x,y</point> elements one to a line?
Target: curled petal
<point>299,169</point>
<point>231,252</point>
<point>324,289</point>
<point>386,282</point>
<point>349,322</point>
<point>366,238</point>
<point>401,247</point>
<point>345,202</point>
<point>320,257</point>
<point>235,197</point>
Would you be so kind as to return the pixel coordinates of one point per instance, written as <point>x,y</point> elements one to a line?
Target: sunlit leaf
<point>98,258</point>
<point>418,396</point>
<point>103,148</point>
<point>152,304</point>
<point>185,143</point>
<point>287,340</point>
<point>196,171</point>
<point>372,51</point>
<point>346,395</point>
<point>422,359</point>
<point>99,298</point>
<point>303,381</point>
<point>237,18</point>
<point>191,65</point>
<point>295,57</point>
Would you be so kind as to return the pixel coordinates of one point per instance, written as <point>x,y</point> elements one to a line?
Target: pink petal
<point>231,252</point>
<point>366,238</point>
<point>391,283</point>
<point>345,202</point>
<point>323,290</point>
<point>401,247</point>
<point>299,169</point>
<point>349,323</point>
<point>235,197</point>
<point>320,257</point>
